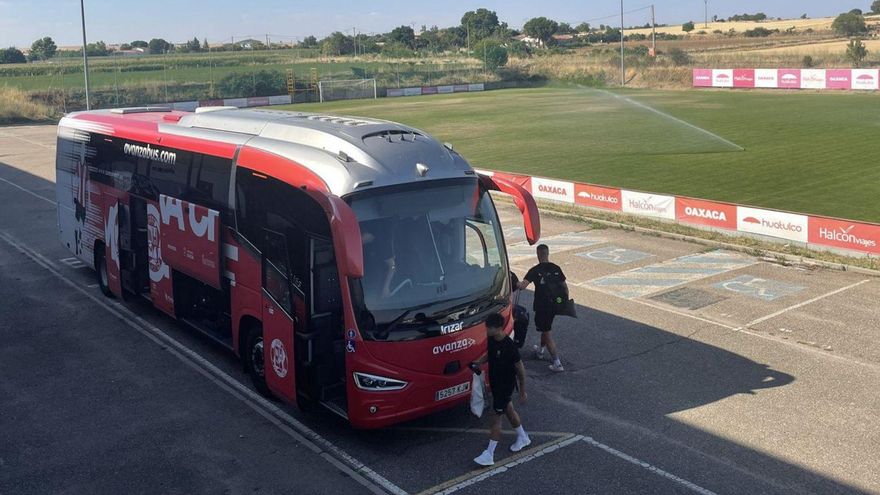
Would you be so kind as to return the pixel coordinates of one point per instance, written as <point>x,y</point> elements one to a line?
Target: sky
<point>23,21</point>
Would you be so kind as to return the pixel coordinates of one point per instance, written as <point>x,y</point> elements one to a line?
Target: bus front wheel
<point>254,356</point>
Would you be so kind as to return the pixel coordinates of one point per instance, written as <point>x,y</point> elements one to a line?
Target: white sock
<point>491,447</point>
<point>520,433</point>
<point>557,362</point>
<point>543,349</point>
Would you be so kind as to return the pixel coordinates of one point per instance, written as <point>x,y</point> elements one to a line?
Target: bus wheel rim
<point>257,357</point>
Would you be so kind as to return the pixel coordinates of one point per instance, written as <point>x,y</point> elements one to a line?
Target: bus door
<point>279,317</point>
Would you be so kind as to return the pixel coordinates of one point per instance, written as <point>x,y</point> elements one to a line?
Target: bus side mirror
<point>523,200</point>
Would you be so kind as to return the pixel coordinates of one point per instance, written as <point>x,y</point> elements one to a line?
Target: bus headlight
<point>375,383</point>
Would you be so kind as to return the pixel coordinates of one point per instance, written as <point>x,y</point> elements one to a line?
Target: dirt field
<point>832,46</point>
<point>819,24</point>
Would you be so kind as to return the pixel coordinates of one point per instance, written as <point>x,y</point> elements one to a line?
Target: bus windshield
<point>431,249</point>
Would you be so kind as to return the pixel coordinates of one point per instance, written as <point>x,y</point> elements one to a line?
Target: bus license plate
<point>453,391</point>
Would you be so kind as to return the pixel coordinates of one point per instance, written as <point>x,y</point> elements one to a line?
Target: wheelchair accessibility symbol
<point>759,288</point>
<point>615,255</point>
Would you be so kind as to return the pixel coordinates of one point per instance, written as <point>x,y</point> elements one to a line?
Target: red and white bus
<point>349,262</point>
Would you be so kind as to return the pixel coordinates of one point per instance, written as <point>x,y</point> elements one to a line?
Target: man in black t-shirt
<point>506,373</point>
<point>543,275</point>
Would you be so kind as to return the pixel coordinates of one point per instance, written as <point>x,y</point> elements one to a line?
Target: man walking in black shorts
<point>506,372</point>
<point>543,275</point>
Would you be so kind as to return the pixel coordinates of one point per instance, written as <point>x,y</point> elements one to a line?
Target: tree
<point>98,49</point>
<point>849,24</point>
<point>584,27</point>
<point>493,54</point>
<point>856,51</point>
<point>192,45</point>
<point>309,42</point>
<point>158,45</point>
<point>337,44</point>
<point>875,7</point>
<point>11,55</point>
<point>564,28</point>
<point>481,23</point>
<point>139,44</point>
<point>541,29</point>
<point>43,49</point>
<point>205,46</point>
<point>688,26</point>
<point>403,35</point>
<point>804,16</point>
<point>125,46</point>
<point>856,11</point>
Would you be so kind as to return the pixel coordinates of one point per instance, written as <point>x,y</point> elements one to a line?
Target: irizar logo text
<point>451,328</point>
<point>843,235</point>
<point>704,213</point>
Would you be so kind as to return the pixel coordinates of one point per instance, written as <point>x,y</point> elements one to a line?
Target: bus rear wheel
<point>255,363</point>
<point>101,271</point>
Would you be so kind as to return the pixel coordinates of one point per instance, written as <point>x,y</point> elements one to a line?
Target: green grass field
<point>806,152</point>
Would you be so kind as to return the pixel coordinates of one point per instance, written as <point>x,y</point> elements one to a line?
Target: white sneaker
<point>556,369</point>
<point>485,459</point>
<point>520,443</point>
<point>539,352</point>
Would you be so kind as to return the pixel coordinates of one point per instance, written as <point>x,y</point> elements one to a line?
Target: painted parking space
<point>759,288</point>
<point>615,255</point>
<point>568,241</point>
<point>651,279</point>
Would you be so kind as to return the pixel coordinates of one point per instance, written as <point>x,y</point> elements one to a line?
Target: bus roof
<point>347,153</point>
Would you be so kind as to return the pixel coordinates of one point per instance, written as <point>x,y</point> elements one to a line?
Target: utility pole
<point>469,37</point>
<point>653,33</point>
<point>706,6</point>
<point>82,10</point>
<point>268,46</point>
<point>622,63</point>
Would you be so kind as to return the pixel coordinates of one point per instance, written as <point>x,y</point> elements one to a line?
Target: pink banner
<point>790,78</point>
<point>429,90</point>
<point>702,78</point>
<point>744,78</point>
<point>838,79</point>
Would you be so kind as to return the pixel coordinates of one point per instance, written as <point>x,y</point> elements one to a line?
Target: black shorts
<point>501,398</point>
<point>544,321</point>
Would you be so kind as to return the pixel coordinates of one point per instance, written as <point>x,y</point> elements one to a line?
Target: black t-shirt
<point>540,275</point>
<point>503,356</point>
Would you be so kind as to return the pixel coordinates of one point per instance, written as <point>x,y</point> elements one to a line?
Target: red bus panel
<point>191,239</point>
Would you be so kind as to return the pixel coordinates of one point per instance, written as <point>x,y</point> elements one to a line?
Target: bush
<point>493,54</point>
<point>759,32</point>
<point>688,26</point>
<point>849,24</point>
<point>679,57</point>
<point>261,83</point>
<point>808,61</point>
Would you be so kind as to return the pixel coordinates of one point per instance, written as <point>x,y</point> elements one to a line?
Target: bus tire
<point>254,359</point>
<point>101,270</point>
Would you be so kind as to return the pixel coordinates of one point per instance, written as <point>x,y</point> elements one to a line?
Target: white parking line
<point>28,191</point>
<point>800,305</point>
<point>628,458</point>
<point>3,134</point>
<point>358,471</point>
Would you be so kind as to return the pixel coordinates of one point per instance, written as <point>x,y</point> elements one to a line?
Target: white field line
<point>670,117</point>
<point>358,471</point>
<point>800,305</point>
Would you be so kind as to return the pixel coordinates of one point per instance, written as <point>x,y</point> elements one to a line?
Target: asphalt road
<point>689,370</point>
